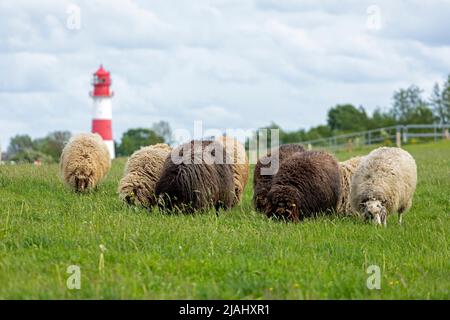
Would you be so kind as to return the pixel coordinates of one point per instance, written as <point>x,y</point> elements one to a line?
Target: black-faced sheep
<point>384,183</point>
<point>142,171</point>
<point>306,184</point>
<point>262,182</point>
<point>196,176</point>
<point>347,170</point>
<point>239,164</point>
<point>84,161</point>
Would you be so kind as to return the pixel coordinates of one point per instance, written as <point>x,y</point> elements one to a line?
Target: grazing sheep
<point>84,161</point>
<point>306,184</point>
<point>347,169</point>
<point>262,183</point>
<point>384,183</point>
<point>192,180</point>
<point>239,165</point>
<point>142,171</point>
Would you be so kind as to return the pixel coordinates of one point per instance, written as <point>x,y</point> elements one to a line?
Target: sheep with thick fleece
<point>384,183</point>
<point>84,161</point>
<point>307,183</point>
<point>347,170</point>
<point>142,171</point>
<point>239,164</point>
<point>263,182</point>
<point>196,176</point>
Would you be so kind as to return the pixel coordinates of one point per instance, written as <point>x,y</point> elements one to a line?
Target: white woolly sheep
<point>346,170</point>
<point>384,183</point>
<point>84,161</point>
<point>239,166</point>
<point>142,171</point>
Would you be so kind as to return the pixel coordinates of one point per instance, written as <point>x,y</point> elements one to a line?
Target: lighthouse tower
<point>102,96</point>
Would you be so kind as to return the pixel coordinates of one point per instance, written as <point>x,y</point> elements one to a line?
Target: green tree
<point>53,143</point>
<point>381,119</point>
<point>440,101</point>
<point>162,129</point>
<point>436,103</point>
<point>293,136</point>
<point>445,116</point>
<point>422,114</point>
<point>31,155</point>
<point>347,117</point>
<point>319,132</point>
<point>409,106</point>
<point>264,136</point>
<point>19,143</point>
<point>133,139</point>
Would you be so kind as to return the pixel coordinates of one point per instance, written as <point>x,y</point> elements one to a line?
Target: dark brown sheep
<point>307,183</point>
<point>261,182</point>
<point>192,179</point>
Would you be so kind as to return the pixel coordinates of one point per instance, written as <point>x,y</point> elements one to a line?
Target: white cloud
<point>240,63</point>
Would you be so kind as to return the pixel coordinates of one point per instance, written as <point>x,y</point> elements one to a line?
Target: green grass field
<point>44,228</point>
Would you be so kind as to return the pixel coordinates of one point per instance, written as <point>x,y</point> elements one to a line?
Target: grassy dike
<point>44,228</point>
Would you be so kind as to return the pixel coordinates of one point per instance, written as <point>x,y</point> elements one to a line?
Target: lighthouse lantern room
<point>102,117</point>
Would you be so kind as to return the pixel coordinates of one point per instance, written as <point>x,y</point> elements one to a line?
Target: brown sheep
<point>84,161</point>
<point>192,179</point>
<point>306,184</point>
<point>347,169</point>
<point>239,165</point>
<point>142,171</point>
<point>261,182</point>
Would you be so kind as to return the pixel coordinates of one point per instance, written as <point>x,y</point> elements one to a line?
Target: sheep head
<point>137,196</point>
<point>134,191</point>
<point>82,180</point>
<point>283,202</point>
<point>375,211</point>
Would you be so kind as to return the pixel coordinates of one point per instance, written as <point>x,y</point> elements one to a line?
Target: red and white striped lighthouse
<point>102,118</point>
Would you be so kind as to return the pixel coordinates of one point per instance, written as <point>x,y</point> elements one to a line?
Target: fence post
<point>446,135</point>
<point>405,134</point>
<point>435,133</point>
<point>350,145</point>
<point>398,137</point>
<point>369,138</point>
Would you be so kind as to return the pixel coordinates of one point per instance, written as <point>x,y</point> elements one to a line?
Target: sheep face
<point>283,202</point>
<point>82,180</point>
<point>260,202</point>
<point>375,211</point>
<point>137,195</point>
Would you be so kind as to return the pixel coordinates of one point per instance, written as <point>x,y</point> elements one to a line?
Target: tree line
<point>22,148</point>
<point>408,107</point>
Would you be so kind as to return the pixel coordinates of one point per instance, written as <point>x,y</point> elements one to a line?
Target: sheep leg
<point>403,210</point>
<point>217,208</point>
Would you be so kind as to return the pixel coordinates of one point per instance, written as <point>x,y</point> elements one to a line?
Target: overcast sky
<point>229,63</point>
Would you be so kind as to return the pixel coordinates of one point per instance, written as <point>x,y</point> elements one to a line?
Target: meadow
<point>239,254</point>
